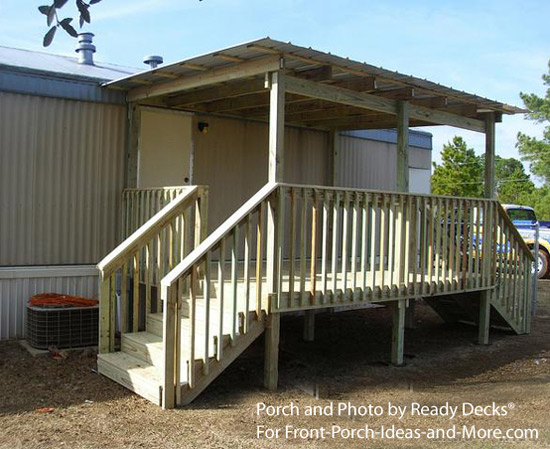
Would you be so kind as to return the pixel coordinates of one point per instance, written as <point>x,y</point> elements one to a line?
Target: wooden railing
<point>137,265</point>
<point>293,247</point>
<point>220,267</point>
<point>139,205</point>
<point>514,266</point>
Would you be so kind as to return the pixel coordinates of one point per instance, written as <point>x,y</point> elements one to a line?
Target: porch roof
<point>231,82</point>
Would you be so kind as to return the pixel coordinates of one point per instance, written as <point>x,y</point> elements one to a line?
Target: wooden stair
<point>139,364</point>
<point>464,308</point>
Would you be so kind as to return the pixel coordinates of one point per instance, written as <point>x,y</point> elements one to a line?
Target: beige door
<point>165,148</point>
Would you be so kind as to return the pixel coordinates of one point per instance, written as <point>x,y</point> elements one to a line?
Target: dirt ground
<point>347,362</point>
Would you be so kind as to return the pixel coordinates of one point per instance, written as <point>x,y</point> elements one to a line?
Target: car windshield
<point>522,214</point>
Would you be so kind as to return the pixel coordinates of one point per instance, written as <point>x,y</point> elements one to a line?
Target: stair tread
<point>133,366</point>
<point>144,338</point>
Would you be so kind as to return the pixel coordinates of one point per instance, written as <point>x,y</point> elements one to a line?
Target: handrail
<point>144,233</point>
<point>131,273</point>
<point>140,204</point>
<point>200,251</point>
<point>514,230</point>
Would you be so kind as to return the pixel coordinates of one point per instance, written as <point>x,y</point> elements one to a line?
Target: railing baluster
<point>335,238</point>
<point>234,283</point>
<point>325,246</point>
<point>375,203</point>
<point>221,296</point>
<point>314,244</point>
<point>124,299</point>
<point>135,304</point>
<point>364,244</point>
<point>391,242</point>
<point>246,271</point>
<point>194,291</point>
<point>445,243</point>
<point>260,241</point>
<point>354,243</point>
<point>291,246</point>
<point>207,298</point>
<point>303,248</point>
<point>383,221</point>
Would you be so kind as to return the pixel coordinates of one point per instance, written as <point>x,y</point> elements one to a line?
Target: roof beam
<point>212,76</point>
<point>377,103</point>
<point>322,73</point>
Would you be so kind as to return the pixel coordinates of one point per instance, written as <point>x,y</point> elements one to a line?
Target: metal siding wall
<point>14,294</point>
<point>232,160</point>
<point>61,176</point>
<point>368,164</point>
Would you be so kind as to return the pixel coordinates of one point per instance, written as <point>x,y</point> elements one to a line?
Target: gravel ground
<point>46,403</point>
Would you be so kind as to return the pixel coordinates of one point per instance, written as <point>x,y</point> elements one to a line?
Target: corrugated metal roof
<point>29,61</point>
<point>300,58</point>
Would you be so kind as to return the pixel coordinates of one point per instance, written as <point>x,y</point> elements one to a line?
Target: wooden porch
<point>178,305</point>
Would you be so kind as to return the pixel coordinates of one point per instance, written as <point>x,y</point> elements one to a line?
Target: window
<point>522,214</point>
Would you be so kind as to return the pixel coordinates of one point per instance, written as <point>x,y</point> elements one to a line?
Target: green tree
<point>513,185</point>
<point>460,172</point>
<point>537,151</point>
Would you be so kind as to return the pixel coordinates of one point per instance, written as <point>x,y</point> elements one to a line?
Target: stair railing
<point>228,268</point>
<point>139,205</point>
<point>130,274</point>
<point>513,264</point>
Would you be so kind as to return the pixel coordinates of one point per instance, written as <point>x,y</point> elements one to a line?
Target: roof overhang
<point>322,90</point>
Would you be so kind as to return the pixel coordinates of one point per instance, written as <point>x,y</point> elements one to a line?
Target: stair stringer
<point>468,311</point>
<point>229,355</point>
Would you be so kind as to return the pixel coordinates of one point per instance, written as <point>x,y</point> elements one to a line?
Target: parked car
<point>525,220</point>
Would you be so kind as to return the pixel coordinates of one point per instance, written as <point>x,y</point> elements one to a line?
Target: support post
<point>271,362</point>
<point>402,177</point>
<point>484,317</point>
<point>132,145</point>
<point>309,325</point>
<point>402,169</point>
<point>489,192</point>
<point>276,126</point>
<point>398,332</point>
<point>275,218</point>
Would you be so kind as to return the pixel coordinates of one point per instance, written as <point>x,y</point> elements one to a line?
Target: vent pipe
<point>85,49</point>
<point>153,61</point>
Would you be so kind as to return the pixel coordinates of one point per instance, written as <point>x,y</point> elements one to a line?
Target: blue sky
<point>492,48</point>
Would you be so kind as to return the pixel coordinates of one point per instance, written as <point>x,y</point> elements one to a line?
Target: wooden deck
<point>321,248</point>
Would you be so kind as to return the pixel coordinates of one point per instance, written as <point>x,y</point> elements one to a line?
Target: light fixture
<point>203,127</point>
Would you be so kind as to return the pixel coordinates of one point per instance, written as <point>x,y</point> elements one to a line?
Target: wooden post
<point>105,315</point>
<point>309,325</point>
<point>132,144</point>
<point>276,126</point>
<point>169,346</point>
<point>271,362</point>
<point>489,192</point>
<point>402,169</point>
<point>398,332</point>
<point>402,177</point>
<point>275,218</point>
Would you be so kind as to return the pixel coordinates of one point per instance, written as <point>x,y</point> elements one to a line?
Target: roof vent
<point>153,61</point>
<point>85,49</point>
